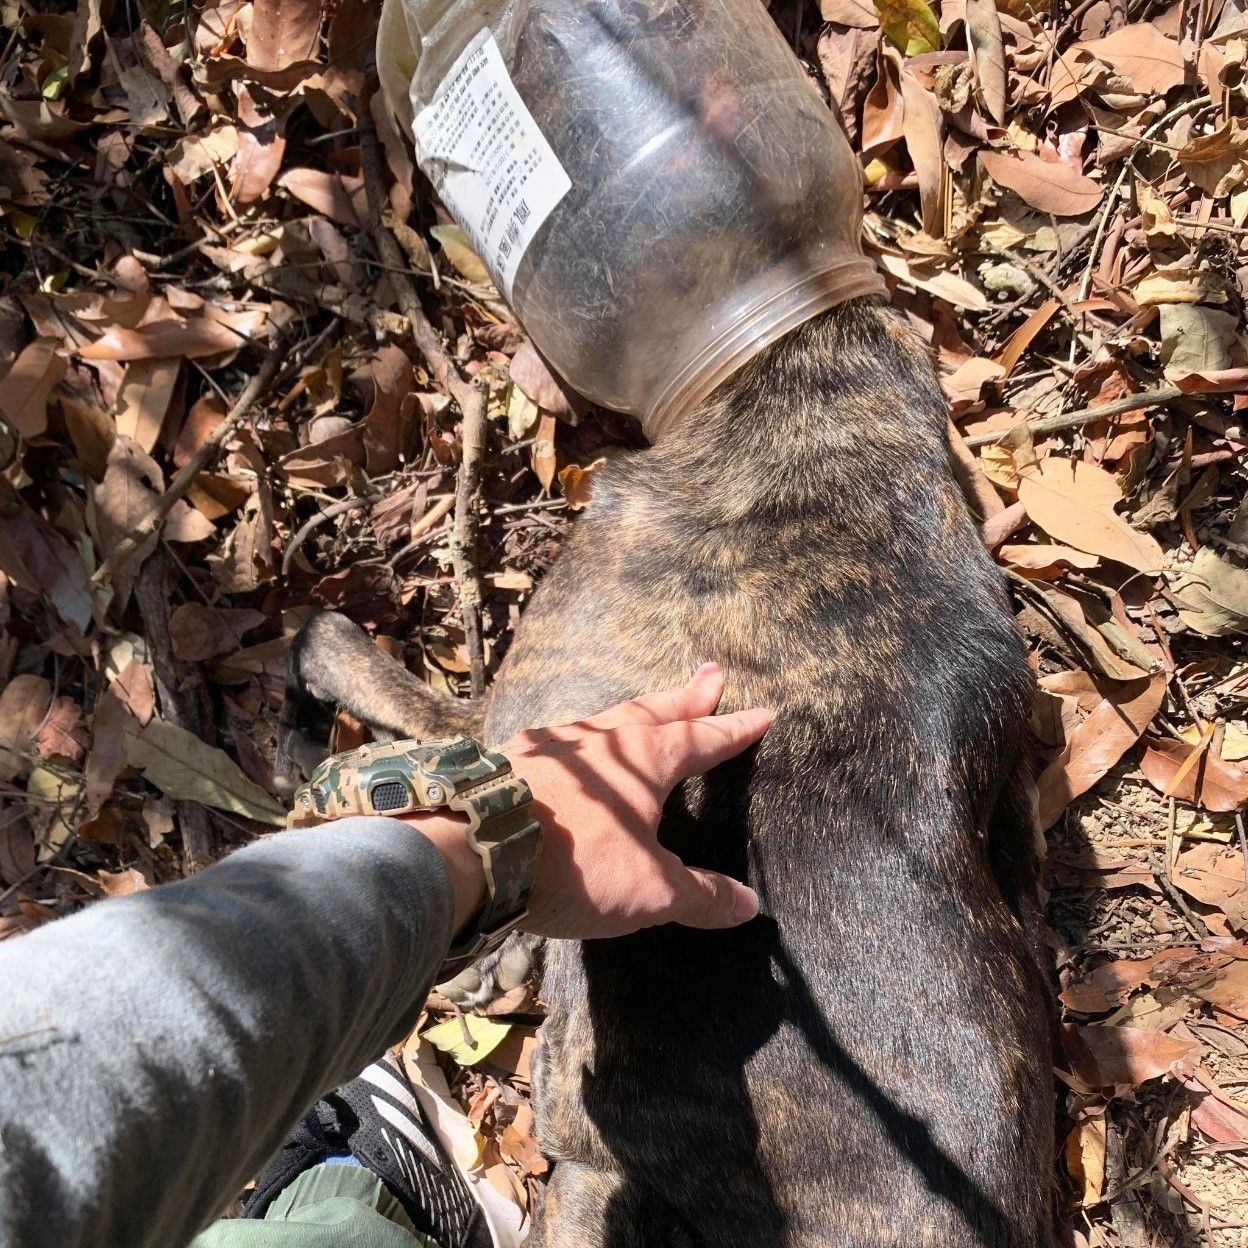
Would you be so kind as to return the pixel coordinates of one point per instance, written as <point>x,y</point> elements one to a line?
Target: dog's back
<point>867,1064</point>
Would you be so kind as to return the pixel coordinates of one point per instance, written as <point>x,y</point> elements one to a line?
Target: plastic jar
<point>656,186</point>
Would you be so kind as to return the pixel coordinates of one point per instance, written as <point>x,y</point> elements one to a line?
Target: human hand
<point>599,788</point>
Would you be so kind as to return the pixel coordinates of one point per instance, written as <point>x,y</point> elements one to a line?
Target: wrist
<point>449,835</point>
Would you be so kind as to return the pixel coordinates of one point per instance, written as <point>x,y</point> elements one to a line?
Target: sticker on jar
<point>488,159</point>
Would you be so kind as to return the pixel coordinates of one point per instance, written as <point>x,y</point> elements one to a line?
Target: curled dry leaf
<point>983,33</point>
<point>910,25</point>
<point>24,392</point>
<point>1124,1057</point>
<point>183,767</point>
<point>199,632</point>
<point>24,701</point>
<point>283,32</point>
<point>63,733</point>
<point>1215,162</point>
<point>1152,63</point>
<point>1109,731</point>
<point>577,483</point>
<point>1211,782</point>
<point>1085,1157</point>
<point>1214,876</point>
<point>1045,185</point>
<point>532,374</point>
<point>188,339</point>
<point>1074,502</point>
<point>1213,595</point>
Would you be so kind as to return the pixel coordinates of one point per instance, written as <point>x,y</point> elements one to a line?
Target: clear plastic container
<point>656,186</point>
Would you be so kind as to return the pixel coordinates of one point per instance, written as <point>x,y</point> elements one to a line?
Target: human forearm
<point>155,1051</point>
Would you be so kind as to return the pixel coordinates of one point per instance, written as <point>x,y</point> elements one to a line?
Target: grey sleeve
<point>155,1050</point>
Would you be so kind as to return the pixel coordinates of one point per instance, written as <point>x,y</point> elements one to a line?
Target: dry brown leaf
<point>1212,783</point>
<point>1044,185</point>
<point>1124,1056</point>
<point>283,33</point>
<point>924,126</point>
<point>983,34</point>
<point>118,506</point>
<point>857,13</point>
<point>1074,502</point>
<point>1212,595</point>
<point>1215,162</point>
<point>176,338</point>
<point>63,733</point>
<point>24,701</point>
<point>200,633</point>
<point>25,389</point>
<point>532,374</point>
<point>1045,559</point>
<point>185,768</point>
<point>1111,729</point>
<point>340,198</point>
<point>143,401</point>
<point>1228,990</point>
<point>121,883</point>
<point>1150,62</point>
<point>1085,1158</point>
<point>107,758</point>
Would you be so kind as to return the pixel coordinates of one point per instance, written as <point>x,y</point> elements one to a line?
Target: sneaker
<point>377,1120</point>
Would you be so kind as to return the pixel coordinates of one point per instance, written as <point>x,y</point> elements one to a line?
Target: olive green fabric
<point>325,1207</point>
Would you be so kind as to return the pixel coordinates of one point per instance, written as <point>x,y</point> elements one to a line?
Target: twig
<point>425,336</point>
<point>185,476</point>
<point>183,703</point>
<point>1085,415</point>
<point>1195,924</point>
<point>322,517</point>
<point>464,533</point>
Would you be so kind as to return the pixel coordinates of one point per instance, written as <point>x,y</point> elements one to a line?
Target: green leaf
<point>55,83</point>
<point>484,1036</point>
<point>910,25</point>
<point>182,766</point>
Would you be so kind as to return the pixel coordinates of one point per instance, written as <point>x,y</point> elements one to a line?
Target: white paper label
<point>488,159</point>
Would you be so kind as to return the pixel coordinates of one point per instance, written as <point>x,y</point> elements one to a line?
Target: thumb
<point>707,899</point>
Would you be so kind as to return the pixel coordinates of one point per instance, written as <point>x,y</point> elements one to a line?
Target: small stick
<point>1085,415</point>
<point>322,517</point>
<point>464,533</point>
<point>185,476</point>
<point>425,336</point>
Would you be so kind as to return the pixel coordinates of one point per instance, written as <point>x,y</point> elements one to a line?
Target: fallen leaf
<point>199,632</point>
<point>58,794</point>
<point>1044,185</point>
<point>1112,728</point>
<point>283,33</point>
<point>1074,502</point>
<point>1045,558</point>
<point>1085,1158</point>
<point>62,734</point>
<point>1212,595</point>
<point>24,701</point>
<point>131,489</point>
<point>143,401</point>
<point>910,25</point>
<point>107,758</point>
<point>460,253</point>
<point>484,1036</point>
<point>188,339</point>
<point>185,768</point>
<point>1212,783</point>
<point>532,374</point>
<point>1124,1056</point>
<point>1195,339</point>
<point>1215,162</point>
<point>983,34</point>
<point>25,389</point>
<point>860,14</point>
<point>1228,990</point>
<point>1149,61</point>
<point>123,883</point>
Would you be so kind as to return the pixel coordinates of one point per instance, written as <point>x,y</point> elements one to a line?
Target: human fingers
<point>699,697</point>
<point>708,899</point>
<point>695,746</point>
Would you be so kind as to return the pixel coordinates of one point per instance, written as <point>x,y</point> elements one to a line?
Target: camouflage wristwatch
<point>457,775</point>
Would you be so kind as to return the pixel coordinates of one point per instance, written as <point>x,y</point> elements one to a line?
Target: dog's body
<point>866,1065</point>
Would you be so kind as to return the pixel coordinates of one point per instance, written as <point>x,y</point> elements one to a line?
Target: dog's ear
<point>334,664</point>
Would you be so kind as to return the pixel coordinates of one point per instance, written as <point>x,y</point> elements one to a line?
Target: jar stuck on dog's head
<point>655,185</point>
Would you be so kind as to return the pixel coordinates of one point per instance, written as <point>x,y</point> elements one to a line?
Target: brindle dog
<point>866,1065</point>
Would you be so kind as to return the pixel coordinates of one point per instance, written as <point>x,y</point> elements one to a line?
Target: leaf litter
<point>223,400</point>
